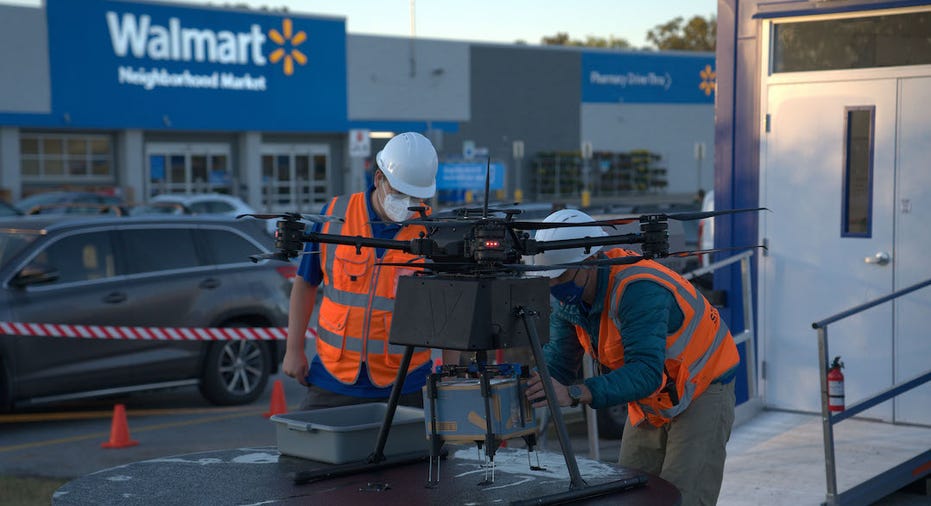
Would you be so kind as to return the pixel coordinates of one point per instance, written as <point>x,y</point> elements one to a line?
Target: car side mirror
<point>34,274</point>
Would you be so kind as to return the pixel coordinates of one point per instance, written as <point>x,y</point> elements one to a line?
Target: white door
<point>827,175</point>
<point>912,249</point>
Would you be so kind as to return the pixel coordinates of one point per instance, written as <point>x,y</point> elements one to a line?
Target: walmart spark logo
<point>288,40</point>
<point>708,82</point>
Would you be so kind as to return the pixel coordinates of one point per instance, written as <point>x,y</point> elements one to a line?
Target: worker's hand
<point>537,395</point>
<point>295,366</point>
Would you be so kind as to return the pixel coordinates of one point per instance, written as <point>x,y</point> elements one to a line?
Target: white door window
<point>188,168</point>
<point>295,177</point>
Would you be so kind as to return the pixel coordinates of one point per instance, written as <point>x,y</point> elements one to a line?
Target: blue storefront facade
<point>141,98</point>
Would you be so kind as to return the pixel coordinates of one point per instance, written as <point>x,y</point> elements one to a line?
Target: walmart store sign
<point>122,64</point>
<point>637,78</point>
<point>138,37</point>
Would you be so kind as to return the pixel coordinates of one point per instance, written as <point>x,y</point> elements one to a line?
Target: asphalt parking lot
<point>63,441</point>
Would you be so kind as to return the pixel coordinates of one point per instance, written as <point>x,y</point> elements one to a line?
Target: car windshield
<point>11,243</point>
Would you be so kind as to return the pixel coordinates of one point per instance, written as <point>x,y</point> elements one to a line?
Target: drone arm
<point>358,241</point>
<point>532,247</point>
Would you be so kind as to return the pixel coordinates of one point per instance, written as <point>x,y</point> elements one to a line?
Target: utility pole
<point>699,157</point>
<point>518,152</point>
<point>413,35</point>
<point>586,173</point>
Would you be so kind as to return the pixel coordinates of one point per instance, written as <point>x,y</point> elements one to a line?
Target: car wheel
<point>235,372</point>
<point>611,421</point>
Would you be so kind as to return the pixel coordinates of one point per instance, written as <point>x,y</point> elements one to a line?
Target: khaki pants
<point>689,451</point>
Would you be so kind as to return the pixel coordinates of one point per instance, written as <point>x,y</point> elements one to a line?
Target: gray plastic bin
<point>348,433</point>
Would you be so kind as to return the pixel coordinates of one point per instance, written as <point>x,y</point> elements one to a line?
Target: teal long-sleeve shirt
<point>647,313</point>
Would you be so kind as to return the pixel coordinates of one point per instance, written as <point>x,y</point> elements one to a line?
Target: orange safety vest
<point>358,299</point>
<point>701,350</point>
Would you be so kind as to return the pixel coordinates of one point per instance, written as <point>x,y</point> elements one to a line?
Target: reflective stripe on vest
<point>373,346</point>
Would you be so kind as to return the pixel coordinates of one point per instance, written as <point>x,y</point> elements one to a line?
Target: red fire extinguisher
<point>836,386</point>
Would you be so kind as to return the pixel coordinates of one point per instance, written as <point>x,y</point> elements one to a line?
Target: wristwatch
<point>575,393</point>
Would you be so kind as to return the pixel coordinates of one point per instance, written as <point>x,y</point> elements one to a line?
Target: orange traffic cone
<point>119,431</point>
<point>278,405</point>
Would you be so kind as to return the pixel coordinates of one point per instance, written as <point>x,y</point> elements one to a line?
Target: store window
<point>66,158</point>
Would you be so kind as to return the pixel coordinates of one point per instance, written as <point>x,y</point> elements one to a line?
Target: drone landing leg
<point>379,454</point>
<point>436,442</point>
<point>491,441</point>
<point>574,476</point>
<point>578,489</point>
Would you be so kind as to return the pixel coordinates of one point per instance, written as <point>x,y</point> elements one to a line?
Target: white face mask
<point>396,207</point>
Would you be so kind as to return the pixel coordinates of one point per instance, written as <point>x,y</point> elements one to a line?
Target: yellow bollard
<point>586,198</point>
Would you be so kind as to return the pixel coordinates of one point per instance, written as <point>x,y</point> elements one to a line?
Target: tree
<point>562,39</point>
<point>699,34</point>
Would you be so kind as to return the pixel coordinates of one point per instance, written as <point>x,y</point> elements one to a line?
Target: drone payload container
<point>460,410</point>
<point>469,313</point>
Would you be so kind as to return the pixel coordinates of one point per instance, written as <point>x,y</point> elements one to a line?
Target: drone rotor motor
<point>655,232</point>
<point>289,237</point>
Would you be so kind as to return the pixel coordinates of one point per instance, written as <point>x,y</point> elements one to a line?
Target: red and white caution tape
<point>147,333</point>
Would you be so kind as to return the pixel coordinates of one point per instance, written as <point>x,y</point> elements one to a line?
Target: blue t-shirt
<point>312,272</point>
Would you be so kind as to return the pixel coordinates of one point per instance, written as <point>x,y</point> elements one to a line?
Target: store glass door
<point>188,168</point>
<point>295,177</point>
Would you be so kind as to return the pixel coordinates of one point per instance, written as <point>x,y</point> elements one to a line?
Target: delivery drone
<point>471,293</point>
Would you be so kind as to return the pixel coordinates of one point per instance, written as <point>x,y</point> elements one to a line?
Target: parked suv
<point>145,271</point>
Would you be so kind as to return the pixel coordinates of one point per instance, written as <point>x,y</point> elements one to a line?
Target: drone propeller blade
<point>708,214</point>
<point>589,264</point>
<point>313,218</point>
<point>712,250</point>
<point>535,225</point>
<point>261,216</point>
<point>540,225</point>
<point>463,211</point>
<point>442,267</point>
<point>320,218</point>
<point>625,260</point>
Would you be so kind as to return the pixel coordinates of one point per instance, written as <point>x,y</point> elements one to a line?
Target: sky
<point>505,21</point>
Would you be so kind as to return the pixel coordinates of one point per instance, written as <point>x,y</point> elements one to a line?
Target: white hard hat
<point>409,162</point>
<point>564,256</point>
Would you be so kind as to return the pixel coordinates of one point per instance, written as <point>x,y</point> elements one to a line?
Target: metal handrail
<point>747,299</point>
<point>827,419</point>
<point>862,307</point>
